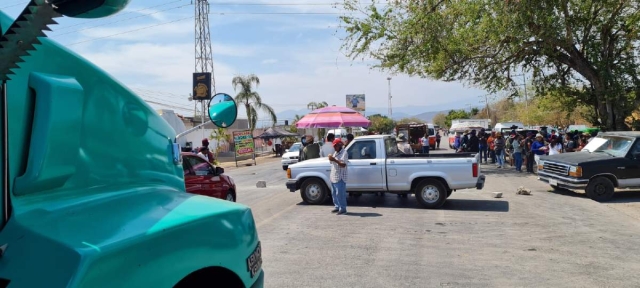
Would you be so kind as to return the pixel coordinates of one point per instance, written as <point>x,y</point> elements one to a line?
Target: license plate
<point>553,182</point>
<point>254,262</point>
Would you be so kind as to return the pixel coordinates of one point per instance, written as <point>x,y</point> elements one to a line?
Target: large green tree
<point>456,114</point>
<point>584,51</point>
<point>381,124</point>
<point>251,99</point>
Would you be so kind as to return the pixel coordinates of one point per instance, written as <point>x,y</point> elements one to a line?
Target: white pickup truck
<point>376,166</point>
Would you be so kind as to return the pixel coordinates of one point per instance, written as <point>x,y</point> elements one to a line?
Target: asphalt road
<point>547,239</point>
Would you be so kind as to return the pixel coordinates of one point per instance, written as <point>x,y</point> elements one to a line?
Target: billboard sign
<point>356,102</point>
<point>201,86</point>
<point>243,141</point>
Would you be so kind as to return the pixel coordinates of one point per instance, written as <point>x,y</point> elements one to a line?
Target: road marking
<point>265,221</point>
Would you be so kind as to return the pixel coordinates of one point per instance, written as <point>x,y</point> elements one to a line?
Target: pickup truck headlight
<point>575,171</point>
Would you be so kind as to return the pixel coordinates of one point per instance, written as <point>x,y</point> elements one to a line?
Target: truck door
<point>365,167</point>
<point>630,168</point>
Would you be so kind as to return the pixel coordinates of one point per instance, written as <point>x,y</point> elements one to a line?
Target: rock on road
<point>547,239</point>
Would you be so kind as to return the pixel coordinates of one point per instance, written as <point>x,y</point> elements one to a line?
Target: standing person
<point>327,148</point>
<point>278,143</point>
<point>555,147</point>
<point>570,145</point>
<point>529,155</point>
<point>538,148</point>
<point>464,142</point>
<point>484,149</point>
<point>474,142</point>
<point>517,151</point>
<point>425,143</point>
<point>338,177</point>
<point>207,151</point>
<point>402,144</point>
<point>312,150</point>
<point>491,141</point>
<point>456,142</point>
<point>438,138</point>
<point>499,145</point>
<point>349,139</point>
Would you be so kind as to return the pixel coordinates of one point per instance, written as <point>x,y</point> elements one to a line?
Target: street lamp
<point>390,110</point>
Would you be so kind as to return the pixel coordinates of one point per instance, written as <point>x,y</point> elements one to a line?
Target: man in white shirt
<point>338,177</point>
<point>327,148</point>
<point>278,143</point>
<point>425,143</point>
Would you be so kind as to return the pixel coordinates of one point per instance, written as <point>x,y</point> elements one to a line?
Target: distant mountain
<point>428,116</point>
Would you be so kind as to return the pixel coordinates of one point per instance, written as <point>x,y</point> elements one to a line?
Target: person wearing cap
<point>402,144</point>
<point>339,176</point>
<point>205,152</point>
<point>312,150</point>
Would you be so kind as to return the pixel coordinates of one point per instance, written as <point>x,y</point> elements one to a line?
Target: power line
<point>130,18</point>
<point>129,31</point>
<point>120,14</point>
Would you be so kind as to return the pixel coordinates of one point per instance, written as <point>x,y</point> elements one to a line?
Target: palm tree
<point>317,105</point>
<point>251,99</point>
<point>293,127</point>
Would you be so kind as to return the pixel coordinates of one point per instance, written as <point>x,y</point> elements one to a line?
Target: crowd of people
<point>520,149</point>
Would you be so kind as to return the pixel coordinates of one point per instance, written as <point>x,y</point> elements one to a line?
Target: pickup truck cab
<point>92,187</point>
<point>376,166</point>
<point>611,160</point>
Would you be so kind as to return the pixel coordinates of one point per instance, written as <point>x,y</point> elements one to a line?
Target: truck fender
<point>305,175</point>
<point>429,174</point>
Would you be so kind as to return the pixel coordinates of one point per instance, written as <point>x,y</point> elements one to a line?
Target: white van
<point>340,133</point>
<point>505,127</point>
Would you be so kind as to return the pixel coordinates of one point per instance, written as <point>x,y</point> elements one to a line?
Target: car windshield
<point>614,145</point>
<point>295,147</point>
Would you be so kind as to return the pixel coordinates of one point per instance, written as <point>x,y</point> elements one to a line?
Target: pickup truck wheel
<point>313,191</point>
<point>431,193</point>
<point>600,189</point>
<point>449,193</point>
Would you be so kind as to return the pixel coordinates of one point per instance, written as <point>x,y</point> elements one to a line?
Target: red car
<point>200,177</point>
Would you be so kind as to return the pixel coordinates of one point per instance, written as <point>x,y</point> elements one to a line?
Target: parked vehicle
<point>92,187</point>
<point>376,166</point>
<point>291,155</point>
<point>506,127</point>
<point>611,160</point>
<point>414,132</point>
<point>202,178</point>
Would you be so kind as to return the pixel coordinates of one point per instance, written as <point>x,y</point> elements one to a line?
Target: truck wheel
<point>449,193</point>
<point>313,191</point>
<point>431,193</point>
<point>600,189</point>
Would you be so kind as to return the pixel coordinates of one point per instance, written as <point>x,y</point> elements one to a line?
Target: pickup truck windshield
<point>616,146</point>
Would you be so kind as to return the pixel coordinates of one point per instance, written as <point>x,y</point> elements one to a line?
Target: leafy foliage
<point>581,52</point>
<point>455,114</point>
<point>440,119</point>
<point>251,99</point>
<point>410,120</point>
<point>381,124</point>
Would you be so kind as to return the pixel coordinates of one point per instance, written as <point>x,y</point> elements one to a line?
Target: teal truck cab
<point>92,183</point>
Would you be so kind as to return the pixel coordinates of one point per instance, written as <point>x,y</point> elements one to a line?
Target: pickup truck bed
<point>375,166</point>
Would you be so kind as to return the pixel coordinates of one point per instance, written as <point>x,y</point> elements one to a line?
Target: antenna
<point>204,56</point>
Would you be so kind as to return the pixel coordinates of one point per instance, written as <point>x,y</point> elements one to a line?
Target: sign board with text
<point>244,145</point>
<point>356,102</point>
<point>201,86</point>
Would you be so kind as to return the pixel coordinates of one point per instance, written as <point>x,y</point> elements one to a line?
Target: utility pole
<point>390,110</point>
<point>203,51</point>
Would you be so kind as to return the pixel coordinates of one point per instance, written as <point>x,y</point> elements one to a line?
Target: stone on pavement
<point>261,184</point>
<point>497,194</point>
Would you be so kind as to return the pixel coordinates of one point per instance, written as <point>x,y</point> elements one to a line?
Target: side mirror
<point>223,110</point>
<point>89,8</point>
<point>219,170</point>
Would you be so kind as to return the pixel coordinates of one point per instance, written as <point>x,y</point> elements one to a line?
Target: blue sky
<point>297,55</point>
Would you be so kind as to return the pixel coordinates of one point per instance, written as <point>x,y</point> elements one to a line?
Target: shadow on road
<point>392,201</point>
<point>363,214</point>
<point>621,196</point>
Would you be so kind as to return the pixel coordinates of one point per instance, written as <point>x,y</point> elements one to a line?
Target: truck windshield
<point>616,146</point>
